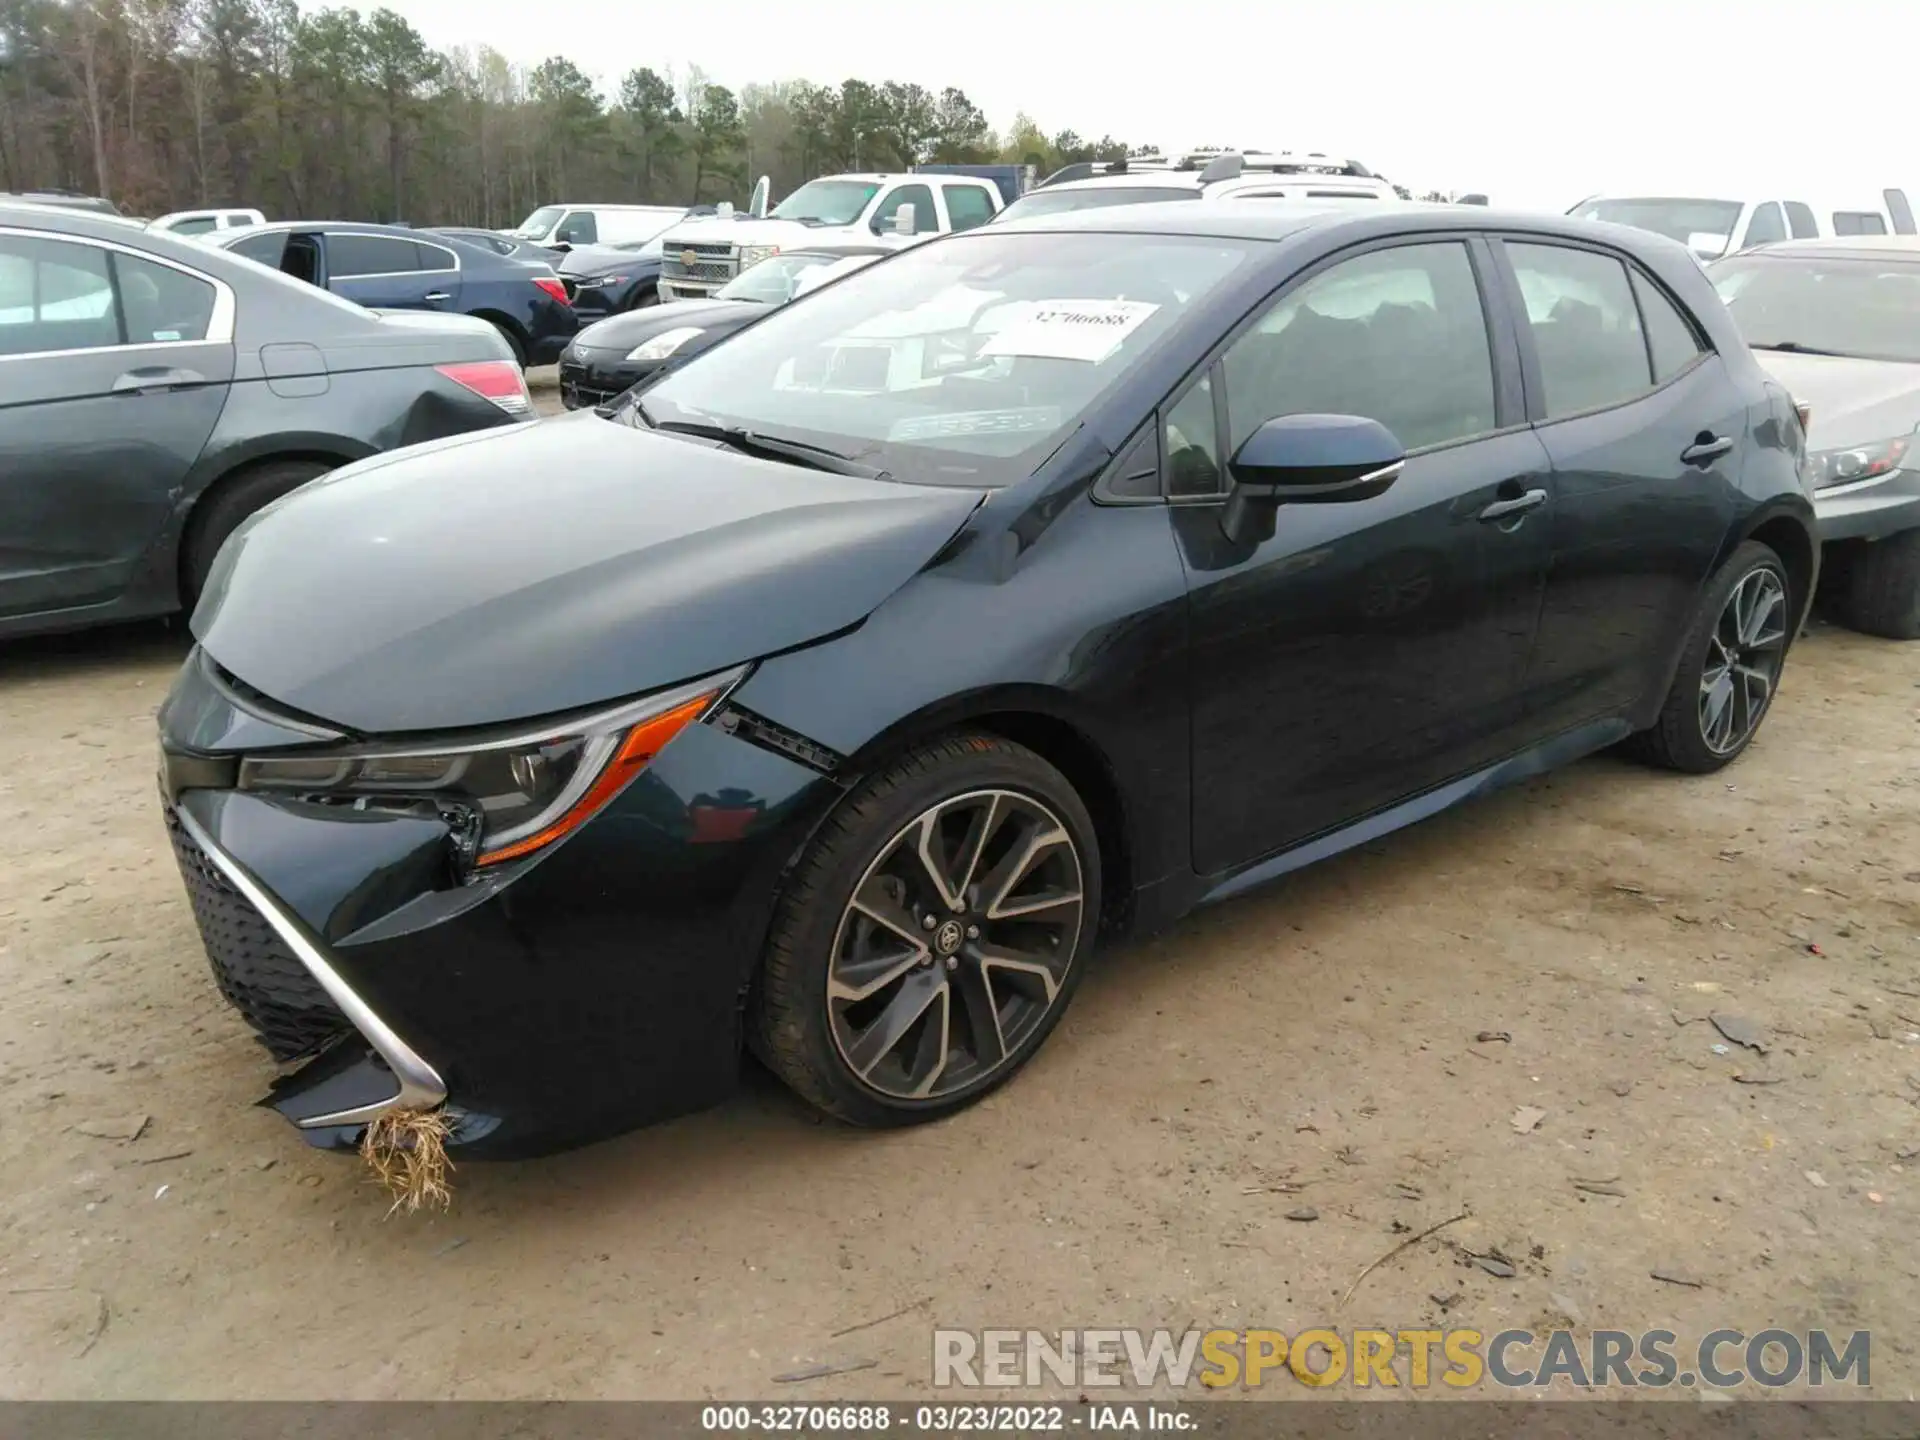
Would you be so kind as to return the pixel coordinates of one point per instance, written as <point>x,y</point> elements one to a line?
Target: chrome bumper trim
<point>421,1087</point>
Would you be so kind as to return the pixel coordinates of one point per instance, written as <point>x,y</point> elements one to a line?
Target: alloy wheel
<point>1744,655</point>
<point>955,944</point>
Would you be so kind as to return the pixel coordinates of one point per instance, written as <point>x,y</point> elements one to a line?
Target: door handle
<point>1518,505</point>
<point>1707,449</point>
<point>137,382</point>
<point>436,295</point>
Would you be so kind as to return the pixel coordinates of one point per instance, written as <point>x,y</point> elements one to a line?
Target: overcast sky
<point>1538,104</point>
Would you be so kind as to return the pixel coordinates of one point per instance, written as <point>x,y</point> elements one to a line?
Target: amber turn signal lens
<point>635,753</point>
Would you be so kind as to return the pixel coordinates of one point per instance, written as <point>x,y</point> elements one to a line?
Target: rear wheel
<point>217,518</point>
<point>1729,668</point>
<point>931,937</point>
<point>1881,592</point>
<point>514,343</point>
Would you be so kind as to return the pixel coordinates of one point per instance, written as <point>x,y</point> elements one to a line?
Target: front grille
<point>700,262</point>
<point>260,977</point>
<point>577,394</point>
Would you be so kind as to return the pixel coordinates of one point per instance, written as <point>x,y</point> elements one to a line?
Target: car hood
<point>540,568</point>
<point>738,231</point>
<point>1854,401</point>
<point>605,259</point>
<point>623,332</point>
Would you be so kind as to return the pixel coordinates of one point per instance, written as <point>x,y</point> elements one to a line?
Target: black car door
<point>1373,650</point>
<point>1646,432</point>
<point>114,367</point>
<point>381,271</point>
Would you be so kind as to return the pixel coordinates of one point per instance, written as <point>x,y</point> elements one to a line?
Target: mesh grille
<point>260,977</point>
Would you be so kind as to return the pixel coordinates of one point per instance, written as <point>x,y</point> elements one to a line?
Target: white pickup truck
<point>699,257</point>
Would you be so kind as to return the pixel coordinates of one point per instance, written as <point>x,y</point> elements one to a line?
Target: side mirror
<point>904,219</point>
<point>1307,460</point>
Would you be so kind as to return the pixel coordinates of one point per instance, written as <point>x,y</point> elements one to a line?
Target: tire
<point>237,498</point>
<point>806,1034</point>
<point>512,337</point>
<point>646,299</point>
<point>1682,738</point>
<point>1881,594</point>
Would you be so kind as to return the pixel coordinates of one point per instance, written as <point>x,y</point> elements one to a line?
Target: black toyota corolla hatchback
<point>832,697</point>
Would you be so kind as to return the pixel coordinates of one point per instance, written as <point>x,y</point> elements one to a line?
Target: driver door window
<point>1395,335</point>
<point>918,196</point>
<point>580,228</point>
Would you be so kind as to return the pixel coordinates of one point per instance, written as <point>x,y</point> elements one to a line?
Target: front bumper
<point>590,988</point>
<point>590,377</point>
<point>1869,509</point>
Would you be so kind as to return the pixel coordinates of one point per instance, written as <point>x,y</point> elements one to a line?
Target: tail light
<point>550,285</point>
<point>497,380</point>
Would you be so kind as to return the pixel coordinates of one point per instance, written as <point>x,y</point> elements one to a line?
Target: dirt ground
<point>1321,1035</point>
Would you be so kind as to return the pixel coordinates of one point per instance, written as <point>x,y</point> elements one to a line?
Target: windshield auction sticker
<point>1089,330</point>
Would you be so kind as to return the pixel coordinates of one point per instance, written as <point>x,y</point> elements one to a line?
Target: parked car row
<point>1010,590</point>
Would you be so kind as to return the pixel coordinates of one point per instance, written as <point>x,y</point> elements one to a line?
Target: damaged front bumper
<point>585,990</point>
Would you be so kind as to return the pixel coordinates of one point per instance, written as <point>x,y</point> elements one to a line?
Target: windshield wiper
<point>767,447</point>
<point>1794,347</point>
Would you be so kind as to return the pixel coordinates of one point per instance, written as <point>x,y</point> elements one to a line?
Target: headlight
<point>509,796</point>
<point>665,343</point>
<point>752,255</point>
<point>606,280</point>
<point>1858,462</point>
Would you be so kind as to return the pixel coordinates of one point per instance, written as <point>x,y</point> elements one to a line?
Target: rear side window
<point>235,221</point>
<point>54,296</point>
<point>1767,226</point>
<point>266,249</point>
<point>433,257</point>
<point>968,206</point>
<point>199,225</point>
<point>1586,327</point>
<point>351,255</point>
<point>1800,220</point>
<point>1670,339</point>
<point>1858,222</point>
<point>162,304</point>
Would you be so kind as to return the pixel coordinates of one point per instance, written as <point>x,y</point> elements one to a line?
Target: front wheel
<point>1881,591</point>
<point>931,936</point>
<point>1729,668</point>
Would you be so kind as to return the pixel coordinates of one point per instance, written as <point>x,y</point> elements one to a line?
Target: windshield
<point>1677,219</point>
<point>961,363</point>
<point>772,282</point>
<point>1094,197</point>
<point>1867,307</point>
<point>827,202</point>
<point>536,225</point>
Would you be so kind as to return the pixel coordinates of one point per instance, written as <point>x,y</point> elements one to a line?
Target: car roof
<point>1343,221</point>
<point>92,224</point>
<point>1905,247</point>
